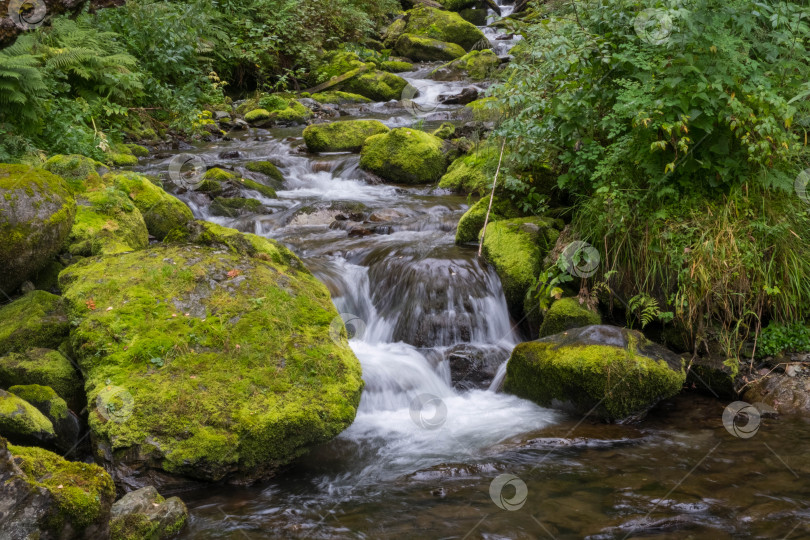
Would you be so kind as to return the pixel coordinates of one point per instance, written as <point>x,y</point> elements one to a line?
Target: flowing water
<point>429,438</point>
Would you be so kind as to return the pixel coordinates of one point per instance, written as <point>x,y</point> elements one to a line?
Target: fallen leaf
<point>233,273</point>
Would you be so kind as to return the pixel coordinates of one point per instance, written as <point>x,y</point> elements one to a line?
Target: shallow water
<point>421,458</point>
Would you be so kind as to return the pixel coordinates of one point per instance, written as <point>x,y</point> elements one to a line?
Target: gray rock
<point>152,514</point>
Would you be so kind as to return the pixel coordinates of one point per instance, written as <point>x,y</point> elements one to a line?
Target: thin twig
<point>491,198</point>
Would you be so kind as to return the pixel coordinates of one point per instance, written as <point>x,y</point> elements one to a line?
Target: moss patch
<point>471,223</point>
<point>161,211</point>
<point>565,314</point>
<point>44,398</point>
<point>266,168</point>
<point>376,85</point>
<point>82,173</point>
<point>477,65</point>
<point>44,367</point>
<point>21,421</point>
<point>473,173</point>
<point>228,358</point>
<point>36,320</point>
<point>425,49</point>
<point>234,206</point>
<point>107,222</point>
<point>347,136</point>
<point>443,26</point>
<point>396,66</point>
<point>406,156</point>
<point>339,98</point>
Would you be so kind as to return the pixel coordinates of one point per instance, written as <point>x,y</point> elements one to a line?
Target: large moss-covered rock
<point>161,211</point>
<point>405,156</point>
<point>471,223</point>
<point>605,371</point>
<point>443,26</point>
<point>37,319</point>
<point>22,423</point>
<point>107,222</point>
<point>473,173</point>
<point>47,497</point>
<point>565,314</point>
<point>477,65</point>
<point>66,424</point>
<point>516,247</point>
<point>37,210</point>
<point>144,513</point>
<point>295,113</point>
<point>44,367</point>
<point>80,172</point>
<point>347,136</point>
<point>376,85</point>
<point>222,364</point>
<point>361,78</point>
<point>425,49</point>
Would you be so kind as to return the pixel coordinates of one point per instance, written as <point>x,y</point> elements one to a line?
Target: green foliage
<point>777,337</point>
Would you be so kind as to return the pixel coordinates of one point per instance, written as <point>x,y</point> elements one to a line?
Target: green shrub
<point>777,337</point>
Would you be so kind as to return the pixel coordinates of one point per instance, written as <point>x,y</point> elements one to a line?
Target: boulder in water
<point>473,173</point>
<point>785,393</point>
<point>477,65</point>
<point>266,168</point>
<point>471,223</point>
<point>424,21</point>
<point>235,207</point>
<point>468,95</point>
<point>376,85</point>
<point>37,210</point>
<point>347,136</point>
<point>405,156</point>
<point>565,314</point>
<point>425,49</point>
<point>611,373</point>
<point>144,513</point>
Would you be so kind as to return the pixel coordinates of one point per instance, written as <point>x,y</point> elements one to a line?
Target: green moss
<point>395,66</point>
<point>44,367</point>
<point>475,16</point>
<point>44,398</point>
<point>443,26</point>
<point>339,98</point>
<point>477,65</point>
<point>257,115</point>
<point>250,377</point>
<point>471,223</point>
<point>295,113</point>
<point>424,49</point>
<point>376,85</point>
<point>36,320</point>
<point>268,192</point>
<point>82,173</point>
<point>565,314</point>
<point>138,150</point>
<point>484,110</point>
<point>107,222</point>
<point>347,136</point>
<point>515,247</point>
<point>608,381</point>
<point>122,160</point>
<point>161,211</point>
<point>393,32</point>
<point>83,492</point>
<point>234,206</point>
<point>266,168</point>
<point>132,527</point>
<point>445,131</point>
<point>21,420</point>
<point>335,64</point>
<point>473,173</point>
<point>405,155</point>
<point>457,5</point>
<point>273,103</point>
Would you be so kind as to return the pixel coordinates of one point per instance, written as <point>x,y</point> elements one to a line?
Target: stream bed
<point>433,454</point>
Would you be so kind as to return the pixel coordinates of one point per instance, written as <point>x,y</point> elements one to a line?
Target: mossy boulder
<point>107,222</point>
<point>223,365</point>
<point>484,110</point>
<point>294,113</point>
<point>250,185</point>
<point>161,211</point>
<point>471,223</point>
<point>612,373</point>
<point>516,247</point>
<point>138,150</point>
<point>266,168</point>
<point>235,206</point>
<point>445,131</point>
<point>335,64</point>
<point>473,173</point>
<point>122,160</point>
<point>43,367</point>
<point>376,85</point>
<point>22,423</point>
<point>425,49</point>
<point>347,136</point>
<point>66,424</point>
<point>37,319</point>
<point>80,172</point>
<point>50,497</point>
<point>144,513</point>
<point>405,156</point>
<point>442,25</point>
<point>37,210</point>
<point>396,66</point>
<point>257,115</point>
<point>477,65</point>
<point>565,314</point>
<point>337,97</point>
